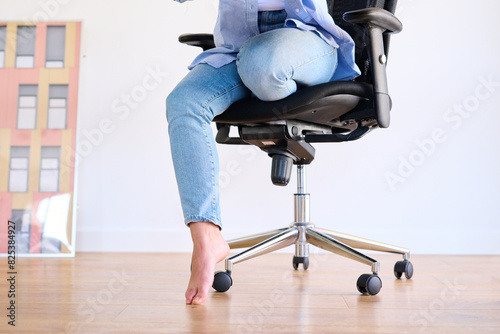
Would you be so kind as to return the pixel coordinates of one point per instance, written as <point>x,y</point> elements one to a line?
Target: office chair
<point>330,112</point>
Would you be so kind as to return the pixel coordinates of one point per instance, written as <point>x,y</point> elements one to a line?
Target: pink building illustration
<point>39,65</point>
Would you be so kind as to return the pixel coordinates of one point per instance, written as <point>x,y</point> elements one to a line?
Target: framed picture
<point>39,68</point>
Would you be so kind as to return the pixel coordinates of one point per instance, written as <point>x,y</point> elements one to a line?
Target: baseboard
<point>477,242</point>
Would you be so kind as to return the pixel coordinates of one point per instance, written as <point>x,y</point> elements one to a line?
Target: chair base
<point>302,233</point>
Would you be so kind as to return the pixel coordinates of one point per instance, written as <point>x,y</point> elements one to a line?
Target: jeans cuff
<point>196,219</point>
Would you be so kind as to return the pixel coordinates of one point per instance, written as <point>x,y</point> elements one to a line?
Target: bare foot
<point>209,248</point>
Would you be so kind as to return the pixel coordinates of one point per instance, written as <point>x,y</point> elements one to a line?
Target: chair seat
<point>320,104</point>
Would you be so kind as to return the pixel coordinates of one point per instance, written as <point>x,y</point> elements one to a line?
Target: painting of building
<point>39,67</point>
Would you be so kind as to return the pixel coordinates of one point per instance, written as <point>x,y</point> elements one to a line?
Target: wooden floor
<point>144,293</point>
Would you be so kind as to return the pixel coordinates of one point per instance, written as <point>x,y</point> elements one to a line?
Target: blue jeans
<point>272,66</point>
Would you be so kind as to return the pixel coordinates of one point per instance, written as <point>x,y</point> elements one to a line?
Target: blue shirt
<point>237,22</point>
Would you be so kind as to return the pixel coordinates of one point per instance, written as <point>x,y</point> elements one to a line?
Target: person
<point>265,49</point>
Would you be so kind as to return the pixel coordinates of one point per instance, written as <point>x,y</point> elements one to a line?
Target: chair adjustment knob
<point>281,169</point>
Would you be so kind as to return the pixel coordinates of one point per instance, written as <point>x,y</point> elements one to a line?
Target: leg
<point>278,241</point>
<point>252,240</point>
<point>356,242</point>
<point>325,242</point>
<point>275,63</point>
<point>204,93</point>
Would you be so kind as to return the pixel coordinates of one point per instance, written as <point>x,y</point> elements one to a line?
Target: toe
<point>190,294</point>
<point>199,299</point>
<point>201,292</point>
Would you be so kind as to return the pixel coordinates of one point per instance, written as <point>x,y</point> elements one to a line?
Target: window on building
<point>22,218</point>
<point>25,46</point>
<point>56,46</point>
<point>58,107</point>
<point>3,36</point>
<point>27,105</point>
<point>49,168</point>
<point>19,168</point>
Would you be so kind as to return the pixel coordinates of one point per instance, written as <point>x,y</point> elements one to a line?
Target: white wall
<point>446,202</point>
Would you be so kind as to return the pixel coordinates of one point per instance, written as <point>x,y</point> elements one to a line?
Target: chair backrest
<point>337,8</point>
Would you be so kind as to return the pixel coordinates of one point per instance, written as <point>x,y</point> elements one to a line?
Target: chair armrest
<point>375,16</point>
<point>204,41</point>
<point>378,22</point>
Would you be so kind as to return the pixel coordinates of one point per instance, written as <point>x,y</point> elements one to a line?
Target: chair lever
<point>222,136</point>
<point>338,138</point>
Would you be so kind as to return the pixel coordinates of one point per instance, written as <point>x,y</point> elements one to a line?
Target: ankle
<point>204,230</point>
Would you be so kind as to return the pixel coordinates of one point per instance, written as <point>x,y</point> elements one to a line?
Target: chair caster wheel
<point>303,260</point>
<point>403,267</point>
<point>369,284</point>
<point>222,281</point>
